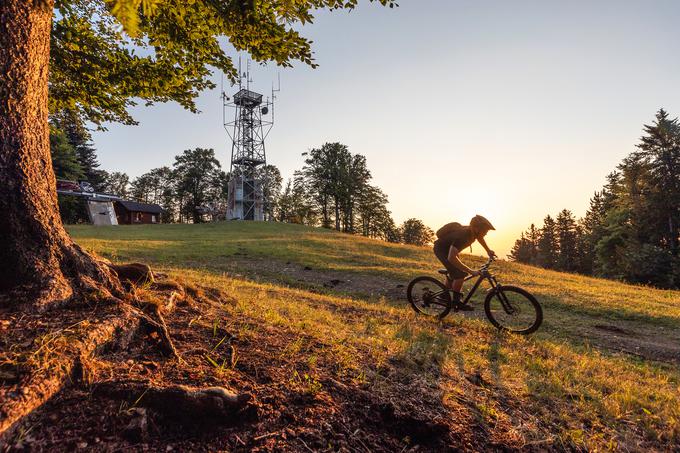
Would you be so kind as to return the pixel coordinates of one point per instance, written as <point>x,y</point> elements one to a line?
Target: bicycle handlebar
<point>486,265</point>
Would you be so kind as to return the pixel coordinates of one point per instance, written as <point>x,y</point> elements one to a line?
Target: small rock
<point>136,430</point>
<point>82,445</point>
<point>307,268</point>
<point>169,448</point>
<point>400,286</point>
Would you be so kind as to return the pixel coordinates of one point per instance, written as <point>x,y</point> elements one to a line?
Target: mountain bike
<point>508,308</point>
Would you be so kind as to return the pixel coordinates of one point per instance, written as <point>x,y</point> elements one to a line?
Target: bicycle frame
<point>473,290</point>
<point>486,275</point>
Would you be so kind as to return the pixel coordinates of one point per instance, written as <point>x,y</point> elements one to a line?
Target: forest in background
<point>332,189</point>
<point>631,230</point>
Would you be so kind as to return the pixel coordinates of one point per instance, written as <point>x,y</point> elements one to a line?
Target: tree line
<point>631,230</point>
<point>333,189</point>
<point>185,191</point>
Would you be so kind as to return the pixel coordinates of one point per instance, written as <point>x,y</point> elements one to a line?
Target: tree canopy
<point>632,227</point>
<point>106,55</point>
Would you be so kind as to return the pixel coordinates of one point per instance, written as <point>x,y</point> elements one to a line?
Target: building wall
<point>126,217</point>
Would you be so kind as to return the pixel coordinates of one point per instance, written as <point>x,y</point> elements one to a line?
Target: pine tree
<point>525,249</point>
<point>533,236</point>
<point>660,146</point>
<point>521,250</point>
<point>565,229</point>
<point>592,229</point>
<point>66,166</point>
<point>611,251</point>
<point>81,141</point>
<point>548,244</point>
<point>64,159</point>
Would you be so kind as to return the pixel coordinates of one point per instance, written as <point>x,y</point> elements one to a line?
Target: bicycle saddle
<point>443,271</point>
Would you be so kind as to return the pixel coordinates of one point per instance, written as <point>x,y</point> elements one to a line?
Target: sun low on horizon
<point>510,110</point>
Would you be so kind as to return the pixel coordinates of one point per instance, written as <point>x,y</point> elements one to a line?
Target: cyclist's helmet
<point>481,223</point>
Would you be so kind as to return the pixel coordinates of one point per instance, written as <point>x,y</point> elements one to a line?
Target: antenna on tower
<point>274,91</point>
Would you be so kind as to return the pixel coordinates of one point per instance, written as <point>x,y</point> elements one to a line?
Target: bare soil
<point>286,412</point>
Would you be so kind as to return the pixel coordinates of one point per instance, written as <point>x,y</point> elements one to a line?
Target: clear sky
<point>509,109</point>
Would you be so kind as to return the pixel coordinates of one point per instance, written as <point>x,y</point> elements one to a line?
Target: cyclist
<point>452,239</point>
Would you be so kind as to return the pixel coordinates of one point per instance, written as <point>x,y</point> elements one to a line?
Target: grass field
<point>602,373</point>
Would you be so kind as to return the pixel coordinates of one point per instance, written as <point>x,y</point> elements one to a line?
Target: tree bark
<point>38,259</point>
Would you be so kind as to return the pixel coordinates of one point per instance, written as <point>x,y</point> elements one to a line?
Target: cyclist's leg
<point>459,278</point>
<point>442,254</point>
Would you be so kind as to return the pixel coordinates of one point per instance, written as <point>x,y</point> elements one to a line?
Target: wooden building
<point>132,212</point>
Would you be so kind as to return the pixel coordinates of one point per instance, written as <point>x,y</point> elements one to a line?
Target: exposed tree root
<point>196,406</point>
<point>161,328</point>
<point>133,273</point>
<point>46,362</point>
<point>47,371</point>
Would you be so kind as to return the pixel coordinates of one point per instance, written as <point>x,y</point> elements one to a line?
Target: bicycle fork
<point>505,303</point>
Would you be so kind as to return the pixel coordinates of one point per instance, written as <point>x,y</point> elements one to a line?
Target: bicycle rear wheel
<point>513,309</point>
<point>428,296</point>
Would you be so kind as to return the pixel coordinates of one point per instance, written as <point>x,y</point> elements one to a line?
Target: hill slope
<point>318,330</point>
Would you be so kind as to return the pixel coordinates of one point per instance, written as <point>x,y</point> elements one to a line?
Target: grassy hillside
<point>324,314</point>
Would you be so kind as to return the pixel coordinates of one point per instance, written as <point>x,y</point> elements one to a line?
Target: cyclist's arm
<point>486,247</point>
<point>457,263</point>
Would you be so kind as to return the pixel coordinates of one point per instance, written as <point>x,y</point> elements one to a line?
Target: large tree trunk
<point>38,260</point>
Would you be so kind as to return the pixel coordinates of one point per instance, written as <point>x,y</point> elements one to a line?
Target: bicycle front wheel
<point>429,296</point>
<point>513,309</point>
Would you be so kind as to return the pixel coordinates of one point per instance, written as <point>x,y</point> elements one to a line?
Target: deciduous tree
<point>117,183</point>
<point>415,232</point>
<point>200,180</point>
<point>93,68</point>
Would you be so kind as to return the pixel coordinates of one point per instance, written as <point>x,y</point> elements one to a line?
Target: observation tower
<point>248,130</point>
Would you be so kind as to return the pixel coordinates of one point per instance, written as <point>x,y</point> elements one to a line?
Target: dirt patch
<point>297,404</point>
<point>651,342</point>
<point>319,280</point>
<point>613,329</point>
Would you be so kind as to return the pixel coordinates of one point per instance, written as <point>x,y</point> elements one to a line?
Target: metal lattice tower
<point>247,131</point>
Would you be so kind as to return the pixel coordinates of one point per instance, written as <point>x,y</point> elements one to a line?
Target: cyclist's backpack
<point>448,229</point>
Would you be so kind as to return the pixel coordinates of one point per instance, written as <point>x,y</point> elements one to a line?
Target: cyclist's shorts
<point>441,251</point>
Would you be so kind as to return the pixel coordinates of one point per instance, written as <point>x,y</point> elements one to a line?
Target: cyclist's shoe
<point>458,304</point>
